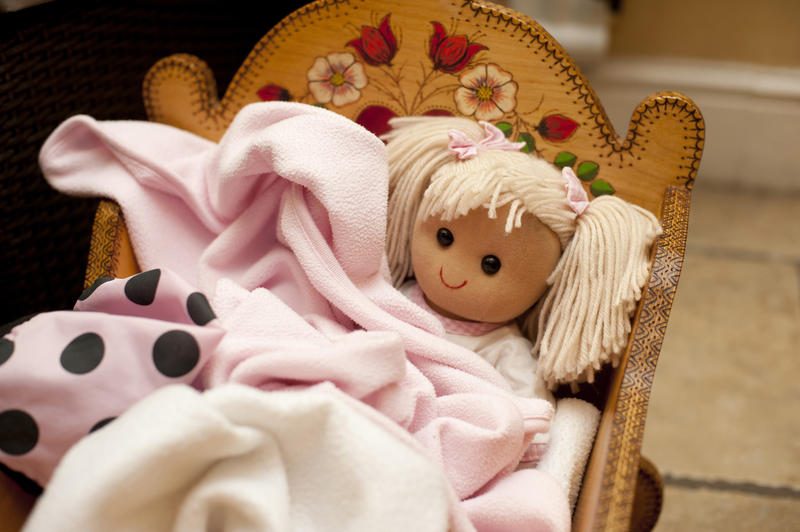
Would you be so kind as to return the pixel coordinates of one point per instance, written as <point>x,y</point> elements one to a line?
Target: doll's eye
<point>444,236</point>
<point>490,264</point>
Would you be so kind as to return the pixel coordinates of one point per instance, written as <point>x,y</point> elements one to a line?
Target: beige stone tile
<point>731,220</point>
<point>725,400</point>
<point>703,510</point>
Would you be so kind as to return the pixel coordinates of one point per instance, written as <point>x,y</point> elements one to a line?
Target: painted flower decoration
<point>376,46</point>
<point>556,127</point>
<point>451,53</point>
<point>487,92</point>
<point>336,78</point>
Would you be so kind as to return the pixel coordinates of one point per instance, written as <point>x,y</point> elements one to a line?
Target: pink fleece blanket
<point>281,224</point>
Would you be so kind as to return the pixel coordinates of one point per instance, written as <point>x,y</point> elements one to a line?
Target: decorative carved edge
<point>105,242</point>
<point>682,109</point>
<point>189,68</point>
<point>630,411</point>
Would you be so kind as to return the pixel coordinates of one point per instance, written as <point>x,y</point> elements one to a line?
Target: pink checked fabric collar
<point>466,328</point>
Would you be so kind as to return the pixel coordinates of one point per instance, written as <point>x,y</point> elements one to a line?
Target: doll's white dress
<point>501,345</point>
<point>509,352</point>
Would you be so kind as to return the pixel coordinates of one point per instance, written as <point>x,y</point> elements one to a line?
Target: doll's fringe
<point>417,148</point>
<point>495,179</point>
<point>426,179</point>
<point>585,318</point>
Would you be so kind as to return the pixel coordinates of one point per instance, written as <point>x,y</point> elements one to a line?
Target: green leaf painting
<point>565,159</point>
<point>587,171</point>
<point>530,143</point>
<point>505,127</point>
<point>601,188</point>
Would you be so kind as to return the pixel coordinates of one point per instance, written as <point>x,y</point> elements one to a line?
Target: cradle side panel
<point>606,500</point>
<point>110,251</point>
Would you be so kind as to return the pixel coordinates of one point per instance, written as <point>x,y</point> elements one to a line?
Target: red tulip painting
<point>377,46</point>
<point>271,93</point>
<point>458,78</point>
<point>451,53</point>
<point>556,127</point>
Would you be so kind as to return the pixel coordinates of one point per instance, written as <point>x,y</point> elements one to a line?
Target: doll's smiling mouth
<point>441,277</point>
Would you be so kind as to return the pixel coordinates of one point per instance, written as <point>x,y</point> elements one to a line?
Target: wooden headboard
<point>373,60</point>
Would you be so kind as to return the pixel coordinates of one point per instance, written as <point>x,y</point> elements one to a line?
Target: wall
<point>766,32</point>
<point>738,60</point>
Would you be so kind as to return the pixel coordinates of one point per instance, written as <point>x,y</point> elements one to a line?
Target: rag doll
<point>518,265</point>
<point>507,250</point>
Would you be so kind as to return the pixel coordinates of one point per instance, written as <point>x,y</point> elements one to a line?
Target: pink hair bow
<point>576,195</point>
<point>466,148</point>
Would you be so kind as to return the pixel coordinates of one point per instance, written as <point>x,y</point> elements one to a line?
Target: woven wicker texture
<point>70,57</point>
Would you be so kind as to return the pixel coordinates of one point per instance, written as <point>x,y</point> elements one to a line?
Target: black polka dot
<point>176,353</point>
<point>83,354</point>
<point>199,309</point>
<point>102,423</point>
<point>141,288</point>
<point>89,291</point>
<point>6,350</point>
<point>18,432</point>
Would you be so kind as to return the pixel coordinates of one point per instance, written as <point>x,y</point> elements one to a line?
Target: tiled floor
<point>724,418</point>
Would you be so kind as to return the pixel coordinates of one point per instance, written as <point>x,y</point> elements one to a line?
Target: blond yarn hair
<point>583,319</point>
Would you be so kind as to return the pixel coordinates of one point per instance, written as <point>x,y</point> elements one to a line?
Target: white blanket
<point>238,459</point>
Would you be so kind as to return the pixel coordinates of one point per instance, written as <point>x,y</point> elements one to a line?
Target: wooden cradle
<point>370,60</point>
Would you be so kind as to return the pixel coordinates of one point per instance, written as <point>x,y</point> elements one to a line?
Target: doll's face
<point>471,269</point>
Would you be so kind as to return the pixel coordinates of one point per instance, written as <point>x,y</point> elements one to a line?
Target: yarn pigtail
<point>585,318</point>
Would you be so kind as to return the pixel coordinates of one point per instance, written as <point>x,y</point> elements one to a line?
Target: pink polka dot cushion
<point>66,374</point>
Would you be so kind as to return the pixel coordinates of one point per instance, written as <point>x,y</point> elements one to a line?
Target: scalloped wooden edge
<point>188,79</point>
